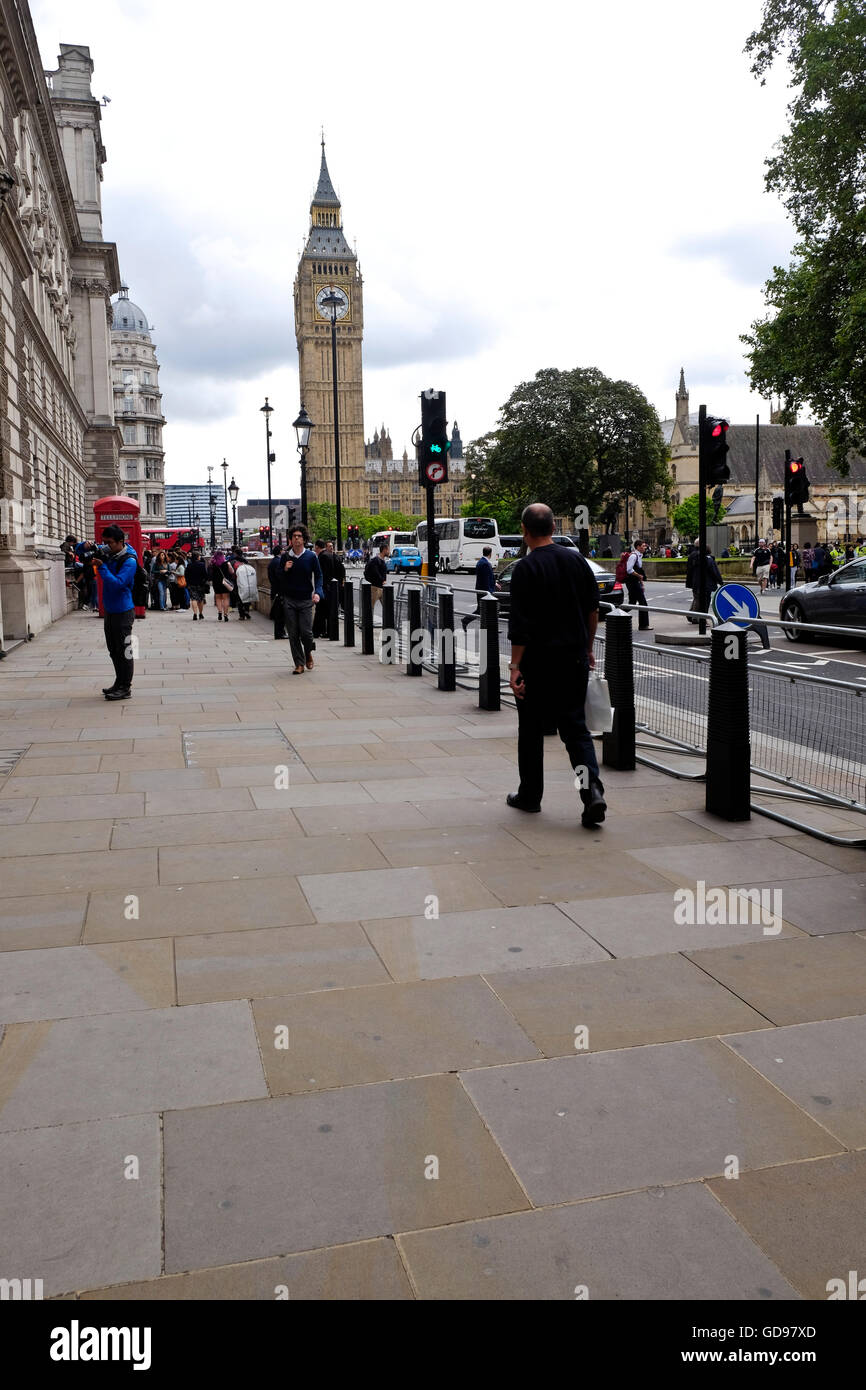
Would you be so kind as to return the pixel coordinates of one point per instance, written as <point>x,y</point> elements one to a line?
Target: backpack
<point>622,566</point>
<point>371,578</point>
<point>140,586</point>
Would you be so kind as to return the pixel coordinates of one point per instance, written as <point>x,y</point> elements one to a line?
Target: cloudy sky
<point>563,184</point>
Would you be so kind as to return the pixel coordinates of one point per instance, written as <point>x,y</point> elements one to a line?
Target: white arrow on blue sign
<point>735,602</point>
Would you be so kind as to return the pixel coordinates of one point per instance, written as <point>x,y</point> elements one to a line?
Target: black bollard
<point>488,681</point>
<point>445,647</point>
<point>388,648</point>
<point>348,614</point>
<point>367,647</point>
<point>416,634</point>
<point>618,747</point>
<point>333,600</point>
<point>729,788</point>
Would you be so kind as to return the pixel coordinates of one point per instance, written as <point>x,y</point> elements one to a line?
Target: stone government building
<point>837,504</point>
<point>371,478</point>
<point>59,442</point>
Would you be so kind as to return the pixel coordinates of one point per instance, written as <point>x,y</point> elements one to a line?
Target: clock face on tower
<point>326,310</point>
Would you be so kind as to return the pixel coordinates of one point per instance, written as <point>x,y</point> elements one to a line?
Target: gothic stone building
<point>837,504</point>
<point>370,477</point>
<point>59,443</point>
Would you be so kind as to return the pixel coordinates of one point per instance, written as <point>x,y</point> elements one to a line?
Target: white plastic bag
<point>598,712</point>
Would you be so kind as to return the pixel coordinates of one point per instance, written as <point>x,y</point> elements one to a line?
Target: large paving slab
<point>646,925</point>
<point>324,854</point>
<point>796,981</point>
<point>60,873</point>
<point>70,1215</point>
<point>588,873</point>
<point>160,1059</point>
<point>616,832</point>
<point>47,920</point>
<point>210,828</point>
<point>608,1122</point>
<point>668,1243</point>
<point>300,1172</point>
<point>197,908</point>
<point>385,1032</point>
<point>346,896</point>
<point>444,846</point>
<point>726,864</point>
<point>367,1271</point>
<point>808,1218</point>
<point>820,1066</point>
<point>80,980</point>
<point>826,904</point>
<point>619,1003</point>
<point>275,960</point>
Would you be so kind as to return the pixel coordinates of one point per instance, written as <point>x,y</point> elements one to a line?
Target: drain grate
<point>10,758</point>
<point>245,740</point>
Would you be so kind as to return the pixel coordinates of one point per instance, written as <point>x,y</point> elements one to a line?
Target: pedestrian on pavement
<point>197,585</point>
<point>302,590</point>
<point>275,569</point>
<point>247,584</point>
<point>339,569</point>
<point>714,579</point>
<point>222,577</point>
<point>117,571</point>
<point>159,578</point>
<point>761,562</point>
<point>634,583</point>
<point>326,565</point>
<point>485,583</point>
<point>551,626</point>
<point>376,573</point>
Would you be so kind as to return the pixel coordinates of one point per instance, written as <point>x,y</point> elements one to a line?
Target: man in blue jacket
<point>301,588</point>
<point>485,583</point>
<point>117,572</point>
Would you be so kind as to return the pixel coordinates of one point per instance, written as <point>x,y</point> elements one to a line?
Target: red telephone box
<point>123,512</point>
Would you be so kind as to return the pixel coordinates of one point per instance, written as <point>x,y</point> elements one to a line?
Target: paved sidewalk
<point>293,1000</point>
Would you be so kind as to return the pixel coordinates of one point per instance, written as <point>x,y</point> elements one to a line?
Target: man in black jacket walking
<point>714,579</point>
<point>376,573</point>
<point>552,623</point>
<point>326,564</point>
<point>275,570</point>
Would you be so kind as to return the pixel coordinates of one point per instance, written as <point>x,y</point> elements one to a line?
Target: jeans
<point>118,631</point>
<point>160,589</point>
<point>299,626</point>
<point>555,693</point>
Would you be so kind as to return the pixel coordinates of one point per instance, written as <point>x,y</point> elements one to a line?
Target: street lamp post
<point>233,494</point>
<point>225,468</point>
<point>302,427</point>
<point>473,477</point>
<point>267,410</point>
<point>212,504</point>
<point>196,521</point>
<point>334,301</point>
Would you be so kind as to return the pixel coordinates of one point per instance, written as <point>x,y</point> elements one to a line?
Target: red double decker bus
<point>167,539</point>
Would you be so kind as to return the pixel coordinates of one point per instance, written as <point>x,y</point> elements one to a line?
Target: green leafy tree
<point>323,520</point>
<point>811,348</point>
<point>488,496</point>
<point>685,516</point>
<point>573,439</point>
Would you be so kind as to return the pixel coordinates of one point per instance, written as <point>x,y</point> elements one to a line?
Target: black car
<point>837,599</point>
<point>609,588</point>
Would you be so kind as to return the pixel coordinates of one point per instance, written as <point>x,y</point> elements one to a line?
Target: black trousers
<point>555,695</point>
<point>118,633</point>
<point>637,595</point>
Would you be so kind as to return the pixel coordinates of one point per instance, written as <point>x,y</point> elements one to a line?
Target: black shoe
<point>594,805</point>
<point>119,694</point>
<point>109,689</point>
<point>521,805</point>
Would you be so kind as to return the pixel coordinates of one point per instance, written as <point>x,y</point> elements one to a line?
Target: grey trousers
<point>299,626</point>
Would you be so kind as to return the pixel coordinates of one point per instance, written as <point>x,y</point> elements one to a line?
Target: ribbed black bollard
<point>348,614</point>
<point>447,663</point>
<point>388,648</point>
<point>488,681</point>
<point>728,755</point>
<point>416,633</point>
<point>367,647</point>
<point>618,747</point>
<point>333,601</point>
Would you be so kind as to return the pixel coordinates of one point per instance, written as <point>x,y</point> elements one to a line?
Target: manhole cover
<point>257,741</point>
<point>9,759</point>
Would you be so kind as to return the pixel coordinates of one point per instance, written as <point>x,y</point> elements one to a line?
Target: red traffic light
<point>794,465</point>
<point>719,429</point>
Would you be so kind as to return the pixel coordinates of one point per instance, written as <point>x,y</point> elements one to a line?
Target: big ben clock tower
<point>328,263</point>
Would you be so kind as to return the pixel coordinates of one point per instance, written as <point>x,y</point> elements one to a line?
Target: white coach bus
<point>461,540</point>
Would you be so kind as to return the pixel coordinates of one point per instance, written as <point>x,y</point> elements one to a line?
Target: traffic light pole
<point>432,538</point>
<point>702,518</point>
<point>786,583</point>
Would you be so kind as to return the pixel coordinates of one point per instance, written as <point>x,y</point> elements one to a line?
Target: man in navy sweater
<point>117,572</point>
<point>301,588</point>
<point>485,583</point>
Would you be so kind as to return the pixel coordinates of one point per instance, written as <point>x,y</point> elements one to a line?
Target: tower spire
<point>325,196</point>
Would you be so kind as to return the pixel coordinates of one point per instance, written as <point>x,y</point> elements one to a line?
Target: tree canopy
<point>685,516</point>
<point>572,438</point>
<point>811,348</point>
<point>322,517</point>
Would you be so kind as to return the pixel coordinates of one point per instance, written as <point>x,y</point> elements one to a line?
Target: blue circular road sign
<point>736,603</point>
